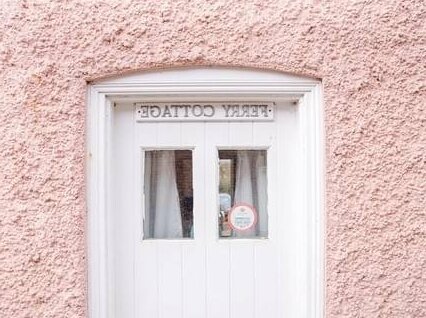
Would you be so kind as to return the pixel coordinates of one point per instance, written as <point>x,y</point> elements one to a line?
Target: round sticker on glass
<point>242,217</point>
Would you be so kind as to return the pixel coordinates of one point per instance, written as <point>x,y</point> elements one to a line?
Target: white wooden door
<point>206,276</point>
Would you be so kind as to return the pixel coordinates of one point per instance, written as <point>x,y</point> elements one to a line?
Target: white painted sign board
<point>199,111</point>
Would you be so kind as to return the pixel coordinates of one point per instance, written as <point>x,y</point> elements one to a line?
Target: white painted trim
<point>208,84</point>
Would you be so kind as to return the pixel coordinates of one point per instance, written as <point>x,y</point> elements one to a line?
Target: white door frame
<point>206,83</point>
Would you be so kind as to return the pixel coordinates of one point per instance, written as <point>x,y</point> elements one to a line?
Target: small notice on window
<point>218,111</point>
<point>242,217</point>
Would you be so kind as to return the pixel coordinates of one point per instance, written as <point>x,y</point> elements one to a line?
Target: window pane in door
<point>168,194</point>
<point>243,194</point>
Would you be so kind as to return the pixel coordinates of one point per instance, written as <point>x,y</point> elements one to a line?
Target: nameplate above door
<point>205,111</point>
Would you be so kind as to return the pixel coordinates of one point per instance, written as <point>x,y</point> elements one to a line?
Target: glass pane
<point>168,194</point>
<point>243,194</point>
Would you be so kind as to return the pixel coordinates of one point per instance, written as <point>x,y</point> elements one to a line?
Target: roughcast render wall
<point>370,56</point>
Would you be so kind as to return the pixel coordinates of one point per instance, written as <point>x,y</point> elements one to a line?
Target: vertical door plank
<point>169,134</point>
<point>266,280</point>
<point>146,280</point>
<point>217,253</point>
<point>193,280</point>
<point>170,278</point>
<point>241,134</point>
<point>242,293</point>
<point>217,280</point>
<point>194,263</point>
<point>146,134</point>
<point>264,133</point>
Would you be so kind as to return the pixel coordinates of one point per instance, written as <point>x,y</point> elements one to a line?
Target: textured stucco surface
<point>370,56</point>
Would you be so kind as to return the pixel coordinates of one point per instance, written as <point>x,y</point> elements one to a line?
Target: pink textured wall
<point>370,55</point>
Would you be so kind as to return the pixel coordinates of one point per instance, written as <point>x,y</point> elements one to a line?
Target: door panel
<point>204,276</point>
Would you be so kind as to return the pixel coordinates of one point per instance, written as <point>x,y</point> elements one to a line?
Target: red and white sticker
<point>242,217</point>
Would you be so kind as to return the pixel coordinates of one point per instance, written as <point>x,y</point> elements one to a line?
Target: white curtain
<point>251,188</point>
<point>261,193</point>
<point>162,209</point>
